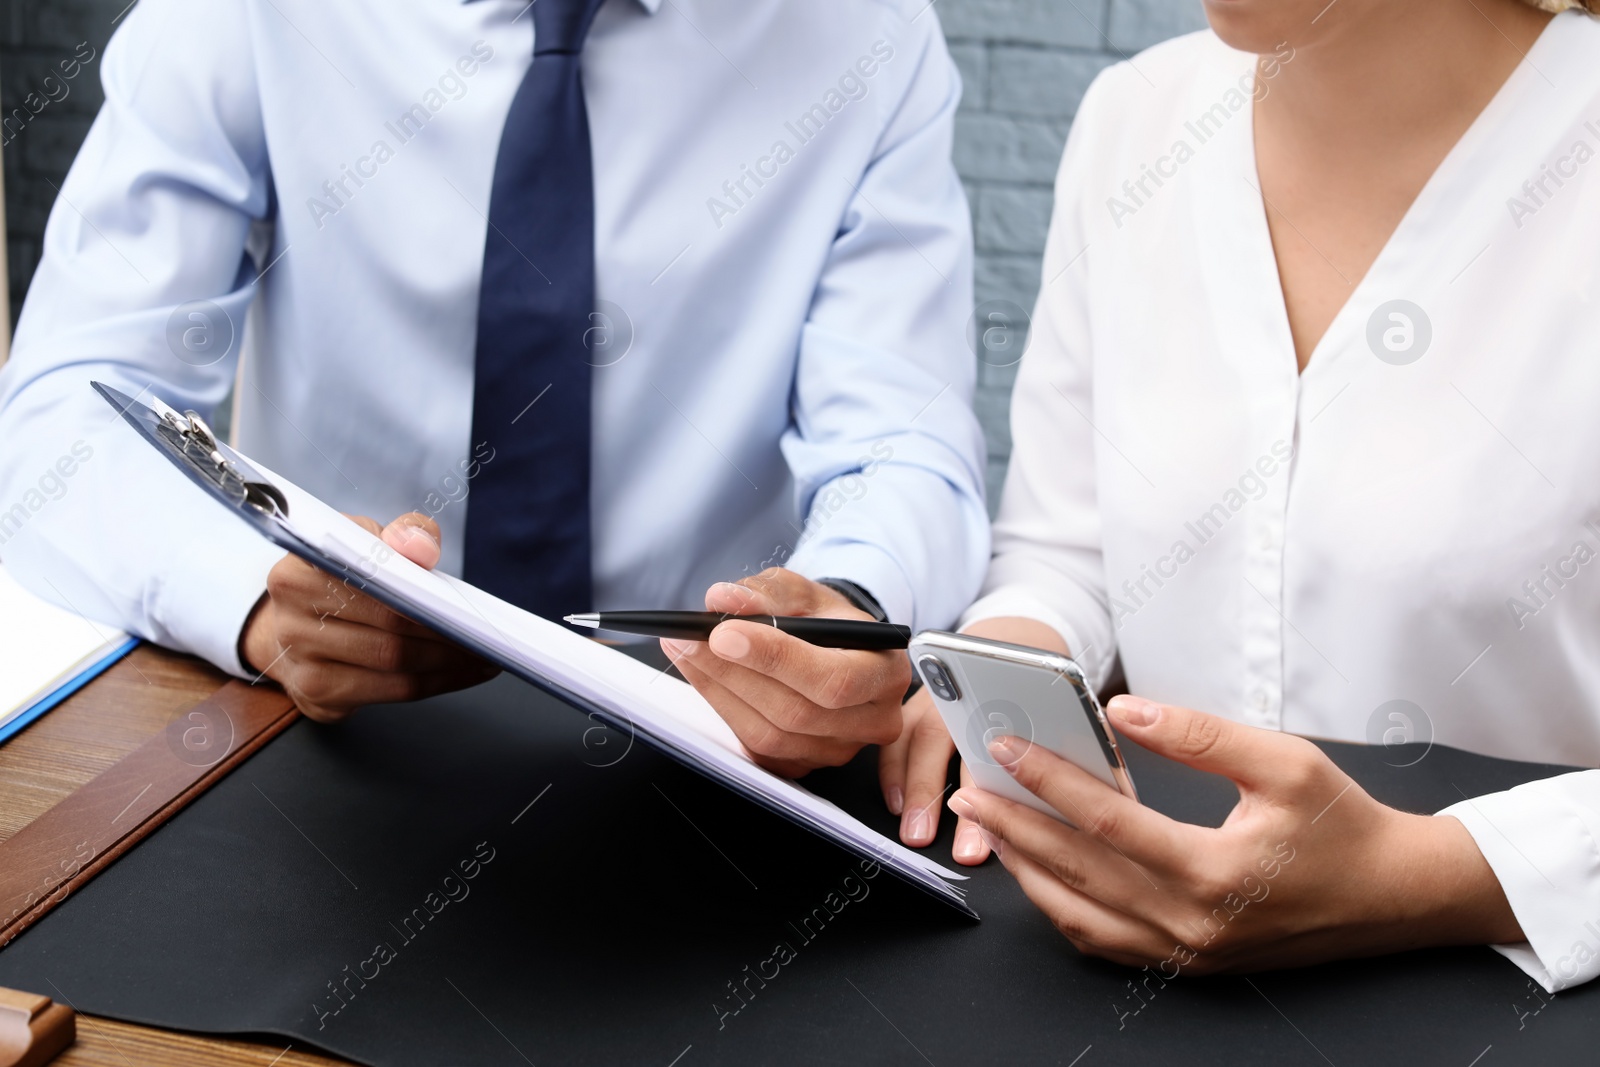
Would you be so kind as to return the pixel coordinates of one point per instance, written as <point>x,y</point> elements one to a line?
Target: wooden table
<point>85,735</point>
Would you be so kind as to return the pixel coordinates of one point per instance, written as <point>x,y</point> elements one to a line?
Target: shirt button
<point>1259,699</point>
<point>1268,542</point>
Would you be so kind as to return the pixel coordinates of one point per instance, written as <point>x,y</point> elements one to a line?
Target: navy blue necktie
<point>527,536</point>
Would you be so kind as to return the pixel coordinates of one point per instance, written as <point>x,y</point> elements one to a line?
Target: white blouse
<point>1400,543</point>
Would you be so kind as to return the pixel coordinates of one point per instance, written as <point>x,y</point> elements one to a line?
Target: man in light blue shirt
<point>779,368</point>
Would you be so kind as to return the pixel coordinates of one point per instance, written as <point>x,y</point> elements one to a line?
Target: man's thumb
<point>416,537</point>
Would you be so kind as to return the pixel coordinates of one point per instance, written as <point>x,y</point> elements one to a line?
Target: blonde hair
<point>1591,6</point>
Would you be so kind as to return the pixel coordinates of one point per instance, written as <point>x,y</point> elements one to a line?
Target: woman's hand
<point>1307,867</point>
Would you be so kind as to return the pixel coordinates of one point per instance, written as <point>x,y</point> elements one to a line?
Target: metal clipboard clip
<point>189,434</point>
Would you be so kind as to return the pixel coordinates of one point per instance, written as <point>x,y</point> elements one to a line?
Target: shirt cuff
<point>868,566</point>
<point>202,606</point>
<point>1013,601</point>
<point>1540,839</point>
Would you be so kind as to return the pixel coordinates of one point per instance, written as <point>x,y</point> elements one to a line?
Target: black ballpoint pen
<point>697,626</point>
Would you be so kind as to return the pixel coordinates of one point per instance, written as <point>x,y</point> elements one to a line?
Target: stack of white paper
<point>45,652</point>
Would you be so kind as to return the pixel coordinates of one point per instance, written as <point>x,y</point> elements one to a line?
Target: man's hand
<point>334,649</point>
<point>912,770</point>
<point>795,706</point>
<point>912,773</point>
<point>1306,868</point>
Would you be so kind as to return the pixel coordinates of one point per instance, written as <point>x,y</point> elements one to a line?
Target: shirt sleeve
<point>143,284</point>
<point>1542,840</point>
<point>885,450</point>
<point>1047,562</point>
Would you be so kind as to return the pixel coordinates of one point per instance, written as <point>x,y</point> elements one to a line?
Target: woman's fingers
<point>1094,928</point>
<point>1078,859</point>
<point>1252,757</point>
<point>1089,803</point>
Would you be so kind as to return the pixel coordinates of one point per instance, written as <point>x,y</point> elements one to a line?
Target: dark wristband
<point>869,604</point>
<point>857,596</point>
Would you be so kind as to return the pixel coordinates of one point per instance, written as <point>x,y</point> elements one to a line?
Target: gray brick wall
<point>44,114</point>
<point>1025,63</point>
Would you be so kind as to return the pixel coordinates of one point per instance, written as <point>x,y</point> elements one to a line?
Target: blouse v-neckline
<point>1463,174</point>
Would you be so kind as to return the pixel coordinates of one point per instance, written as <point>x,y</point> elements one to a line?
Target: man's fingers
<point>330,691</point>
<point>1249,756</point>
<point>778,750</point>
<point>828,677</point>
<point>787,710</point>
<point>730,598</point>
<point>299,589</point>
<point>778,591</point>
<point>894,758</point>
<point>416,537</point>
<point>1087,802</point>
<point>892,770</point>
<point>341,641</point>
<point>927,767</point>
<point>971,847</point>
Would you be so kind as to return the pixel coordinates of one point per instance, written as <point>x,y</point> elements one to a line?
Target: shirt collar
<point>650,6</point>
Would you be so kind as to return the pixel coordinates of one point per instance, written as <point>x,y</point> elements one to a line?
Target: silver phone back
<point>1041,697</point>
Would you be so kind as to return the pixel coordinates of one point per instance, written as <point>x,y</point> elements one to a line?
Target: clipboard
<point>258,499</point>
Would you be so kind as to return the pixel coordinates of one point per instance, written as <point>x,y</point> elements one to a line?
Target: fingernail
<point>728,591</point>
<point>963,807</point>
<point>1007,751</point>
<point>729,643</point>
<point>919,828</point>
<point>410,533</point>
<point>995,844</point>
<point>897,800</point>
<point>677,650</point>
<point>969,843</point>
<point>1134,711</point>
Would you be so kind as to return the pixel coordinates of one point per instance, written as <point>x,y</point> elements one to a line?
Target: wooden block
<point>33,1029</point>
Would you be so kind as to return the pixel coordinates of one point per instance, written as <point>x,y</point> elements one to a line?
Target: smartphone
<point>987,689</point>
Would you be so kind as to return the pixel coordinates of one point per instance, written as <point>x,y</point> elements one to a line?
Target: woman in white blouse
<point>1309,424</point>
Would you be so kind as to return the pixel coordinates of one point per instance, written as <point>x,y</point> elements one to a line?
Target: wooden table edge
<point>77,742</point>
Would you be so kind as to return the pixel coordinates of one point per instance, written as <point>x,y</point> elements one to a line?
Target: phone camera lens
<point>938,679</point>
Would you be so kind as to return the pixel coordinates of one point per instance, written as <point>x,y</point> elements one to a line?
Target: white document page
<point>655,704</point>
<point>43,647</point>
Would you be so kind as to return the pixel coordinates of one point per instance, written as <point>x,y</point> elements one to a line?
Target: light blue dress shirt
<point>783,260</point>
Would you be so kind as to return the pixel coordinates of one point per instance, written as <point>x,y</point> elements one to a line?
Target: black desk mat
<point>616,899</point>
